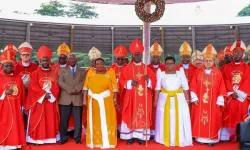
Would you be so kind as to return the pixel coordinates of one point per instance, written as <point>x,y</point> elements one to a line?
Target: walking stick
<point>146,97</point>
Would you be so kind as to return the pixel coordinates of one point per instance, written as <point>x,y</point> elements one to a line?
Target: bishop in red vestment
<point>42,107</point>
<point>236,76</point>
<point>120,53</point>
<point>12,134</point>
<point>155,51</point>
<point>62,52</point>
<point>25,67</point>
<point>185,53</point>
<point>207,90</point>
<point>137,80</point>
<point>14,50</point>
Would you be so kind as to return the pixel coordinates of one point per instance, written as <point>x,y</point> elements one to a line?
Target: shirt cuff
<point>241,94</point>
<point>3,96</point>
<point>194,97</point>
<point>40,100</point>
<point>128,85</point>
<point>149,84</point>
<point>220,101</point>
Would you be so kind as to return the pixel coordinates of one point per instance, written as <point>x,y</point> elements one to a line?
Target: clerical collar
<point>62,66</point>
<point>155,66</point>
<point>118,65</point>
<point>25,64</point>
<point>185,66</point>
<point>45,68</point>
<point>208,71</point>
<point>137,64</point>
<point>237,63</point>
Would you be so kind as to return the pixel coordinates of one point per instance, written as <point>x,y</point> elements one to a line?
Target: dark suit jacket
<point>67,82</point>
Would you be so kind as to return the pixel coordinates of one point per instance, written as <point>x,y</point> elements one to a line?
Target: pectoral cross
<point>139,75</point>
<point>206,83</point>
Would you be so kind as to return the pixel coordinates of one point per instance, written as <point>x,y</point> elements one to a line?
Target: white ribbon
<point>47,88</point>
<point>100,99</point>
<point>25,79</point>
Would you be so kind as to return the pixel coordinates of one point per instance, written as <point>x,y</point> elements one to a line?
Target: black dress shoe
<point>78,141</point>
<point>152,137</point>
<point>130,141</point>
<point>211,144</point>
<point>140,142</point>
<point>61,142</point>
<point>118,134</point>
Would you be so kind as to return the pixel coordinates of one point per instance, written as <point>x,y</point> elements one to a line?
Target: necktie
<point>73,71</point>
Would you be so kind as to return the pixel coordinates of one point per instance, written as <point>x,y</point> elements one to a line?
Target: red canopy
<point>132,2</point>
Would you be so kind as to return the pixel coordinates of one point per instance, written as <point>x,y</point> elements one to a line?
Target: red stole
<point>134,112</point>
<point>120,96</point>
<point>236,111</point>
<point>44,118</point>
<point>11,119</point>
<point>206,117</point>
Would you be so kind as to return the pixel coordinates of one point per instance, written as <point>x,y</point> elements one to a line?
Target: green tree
<point>75,9</point>
<point>53,8</point>
<point>81,10</point>
<point>245,11</point>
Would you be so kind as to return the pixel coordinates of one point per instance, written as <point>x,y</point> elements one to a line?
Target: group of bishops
<point>32,109</point>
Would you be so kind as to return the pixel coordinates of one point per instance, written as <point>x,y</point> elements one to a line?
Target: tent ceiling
<point>131,2</point>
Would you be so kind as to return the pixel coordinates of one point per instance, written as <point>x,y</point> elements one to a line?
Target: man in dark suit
<point>71,80</point>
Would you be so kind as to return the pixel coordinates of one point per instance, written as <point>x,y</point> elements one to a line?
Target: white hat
<point>25,47</point>
<point>196,55</point>
<point>94,53</point>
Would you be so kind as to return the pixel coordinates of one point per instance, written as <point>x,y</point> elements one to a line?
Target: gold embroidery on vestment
<point>140,90</point>
<point>140,111</point>
<point>204,117</point>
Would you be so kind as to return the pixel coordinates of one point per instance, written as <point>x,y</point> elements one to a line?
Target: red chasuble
<point>134,106</point>
<point>206,117</point>
<point>162,67</point>
<point>11,118</point>
<point>236,75</point>
<point>44,118</point>
<point>21,70</point>
<point>119,96</point>
<point>188,72</point>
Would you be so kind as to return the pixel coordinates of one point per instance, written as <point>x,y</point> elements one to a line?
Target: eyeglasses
<point>27,55</point>
<point>8,66</point>
<point>119,58</point>
<point>61,57</point>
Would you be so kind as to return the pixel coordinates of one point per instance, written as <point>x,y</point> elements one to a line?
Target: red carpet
<point>122,146</point>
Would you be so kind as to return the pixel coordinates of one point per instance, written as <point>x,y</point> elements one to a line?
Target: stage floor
<point>122,146</point>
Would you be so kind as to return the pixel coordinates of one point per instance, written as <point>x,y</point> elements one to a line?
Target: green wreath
<point>150,17</point>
